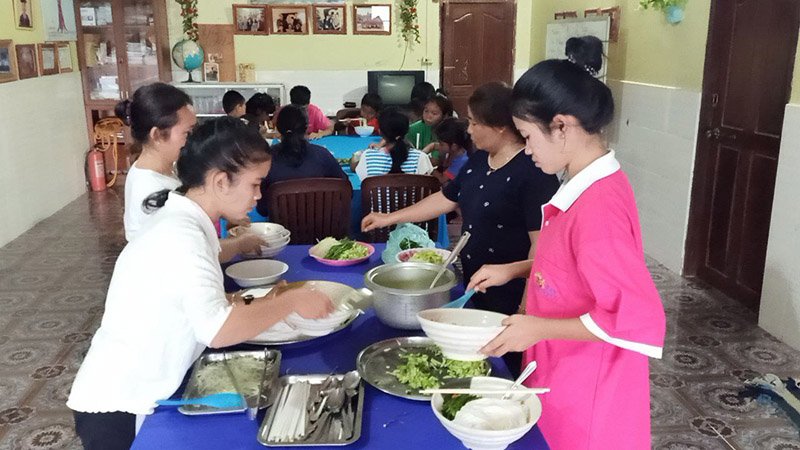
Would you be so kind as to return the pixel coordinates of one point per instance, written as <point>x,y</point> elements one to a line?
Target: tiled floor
<point>53,280</point>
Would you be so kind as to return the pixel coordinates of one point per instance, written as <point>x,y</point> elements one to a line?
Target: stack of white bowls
<point>490,439</point>
<point>276,237</point>
<point>461,333</point>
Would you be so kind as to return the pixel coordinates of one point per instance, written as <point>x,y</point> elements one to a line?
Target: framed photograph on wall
<point>59,20</point>
<point>8,69</point>
<point>27,66</point>
<point>48,58</point>
<point>211,72</point>
<point>289,19</point>
<point>64,57</point>
<point>330,19</point>
<point>250,19</point>
<point>23,14</point>
<point>372,19</point>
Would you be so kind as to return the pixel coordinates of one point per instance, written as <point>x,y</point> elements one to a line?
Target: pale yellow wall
<point>343,52</point>
<point>649,49</point>
<point>42,138</point>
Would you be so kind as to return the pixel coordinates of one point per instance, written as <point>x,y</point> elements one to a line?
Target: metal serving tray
<point>315,380</point>
<point>194,390</point>
<point>377,362</point>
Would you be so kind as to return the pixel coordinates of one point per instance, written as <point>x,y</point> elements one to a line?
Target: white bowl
<point>460,333</point>
<point>489,439</point>
<point>275,237</point>
<point>406,255</point>
<point>364,130</point>
<point>343,297</point>
<point>256,272</point>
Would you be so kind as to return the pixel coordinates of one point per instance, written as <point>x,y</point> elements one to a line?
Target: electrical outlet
<point>425,62</point>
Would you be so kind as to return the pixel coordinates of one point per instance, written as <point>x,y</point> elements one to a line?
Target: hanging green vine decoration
<point>409,19</point>
<point>661,5</point>
<point>189,15</point>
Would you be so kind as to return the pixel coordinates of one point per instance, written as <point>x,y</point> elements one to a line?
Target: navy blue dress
<point>499,208</point>
<point>317,163</point>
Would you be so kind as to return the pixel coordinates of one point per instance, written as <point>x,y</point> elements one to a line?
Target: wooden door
<point>477,46</point>
<point>747,80</point>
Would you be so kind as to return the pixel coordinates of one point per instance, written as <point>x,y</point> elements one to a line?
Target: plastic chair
<point>311,208</point>
<point>389,193</point>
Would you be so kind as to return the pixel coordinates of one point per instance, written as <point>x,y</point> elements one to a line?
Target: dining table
<point>388,421</point>
<point>343,147</point>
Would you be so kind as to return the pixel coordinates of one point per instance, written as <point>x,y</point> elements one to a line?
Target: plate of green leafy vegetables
<point>341,252</point>
<point>404,366</point>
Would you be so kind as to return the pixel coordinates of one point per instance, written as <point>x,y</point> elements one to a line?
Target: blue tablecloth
<point>388,422</point>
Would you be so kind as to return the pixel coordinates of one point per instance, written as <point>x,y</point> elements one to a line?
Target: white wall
<point>42,143</point>
<point>654,135</point>
<point>780,296</point>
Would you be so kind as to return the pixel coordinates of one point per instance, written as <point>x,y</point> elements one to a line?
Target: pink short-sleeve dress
<point>589,264</point>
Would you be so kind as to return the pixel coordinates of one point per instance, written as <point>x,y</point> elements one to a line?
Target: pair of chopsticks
<point>524,391</point>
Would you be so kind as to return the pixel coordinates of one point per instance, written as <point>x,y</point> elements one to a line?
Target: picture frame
<point>372,19</point>
<point>8,66</point>
<point>48,58</point>
<point>27,62</point>
<point>211,72</point>
<point>58,18</point>
<point>289,19</point>
<point>330,18</point>
<point>23,14</point>
<point>64,57</point>
<point>88,16</point>
<point>250,19</point>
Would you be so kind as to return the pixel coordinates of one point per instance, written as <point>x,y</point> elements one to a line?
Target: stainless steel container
<point>400,291</point>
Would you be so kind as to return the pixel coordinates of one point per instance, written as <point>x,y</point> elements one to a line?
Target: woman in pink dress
<point>593,315</point>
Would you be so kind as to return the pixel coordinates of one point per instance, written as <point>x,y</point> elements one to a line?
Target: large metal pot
<point>400,291</point>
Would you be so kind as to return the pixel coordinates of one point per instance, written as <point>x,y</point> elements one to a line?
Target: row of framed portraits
<point>325,18</point>
<point>21,61</point>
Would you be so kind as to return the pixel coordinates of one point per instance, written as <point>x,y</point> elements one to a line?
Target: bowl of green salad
<point>428,255</point>
<point>341,252</point>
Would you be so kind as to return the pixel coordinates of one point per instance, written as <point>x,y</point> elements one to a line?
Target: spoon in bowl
<point>453,255</point>
<point>522,377</point>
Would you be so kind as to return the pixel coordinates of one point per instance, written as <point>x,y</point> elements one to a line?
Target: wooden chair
<point>311,208</point>
<point>389,193</point>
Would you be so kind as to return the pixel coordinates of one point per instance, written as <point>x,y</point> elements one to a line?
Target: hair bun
<point>586,52</point>
<point>123,111</point>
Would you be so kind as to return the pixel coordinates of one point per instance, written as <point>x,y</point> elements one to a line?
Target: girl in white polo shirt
<point>160,117</point>
<point>166,302</point>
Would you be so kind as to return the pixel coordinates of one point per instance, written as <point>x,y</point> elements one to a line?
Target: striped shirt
<point>379,162</point>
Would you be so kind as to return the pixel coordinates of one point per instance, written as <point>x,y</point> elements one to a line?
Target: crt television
<point>394,86</point>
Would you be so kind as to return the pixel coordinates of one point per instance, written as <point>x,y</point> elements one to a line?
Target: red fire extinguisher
<point>96,169</point>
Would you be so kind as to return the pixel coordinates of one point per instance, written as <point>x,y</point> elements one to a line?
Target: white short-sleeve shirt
<point>165,304</point>
<point>140,184</point>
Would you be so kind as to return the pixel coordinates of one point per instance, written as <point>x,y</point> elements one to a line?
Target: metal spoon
<point>522,377</point>
<point>350,382</point>
<point>453,255</point>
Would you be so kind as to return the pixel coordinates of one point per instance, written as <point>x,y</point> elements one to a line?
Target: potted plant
<point>673,9</point>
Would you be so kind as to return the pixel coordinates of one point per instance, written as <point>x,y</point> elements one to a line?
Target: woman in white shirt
<point>397,155</point>
<point>166,301</point>
<point>160,117</point>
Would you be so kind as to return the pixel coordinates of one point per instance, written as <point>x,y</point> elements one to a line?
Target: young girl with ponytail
<point>397,155</point>
<point>160,117</point>
<point>166,302</point>
<point>593,314</point>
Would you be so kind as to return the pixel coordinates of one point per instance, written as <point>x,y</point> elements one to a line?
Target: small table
<point>388,422</point>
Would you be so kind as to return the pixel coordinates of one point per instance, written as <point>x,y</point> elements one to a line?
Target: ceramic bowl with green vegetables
<point>341,252</point>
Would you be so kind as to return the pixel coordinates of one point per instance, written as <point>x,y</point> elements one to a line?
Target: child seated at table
<point>260,109</point>
<point>455,146</point>
<point>233,104</point>
<point>318,124</point>
<point>295,157</point>
<point>371,106</point>
<point>397,155</point>
<point>166,302</point>
<point>421,133</point>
